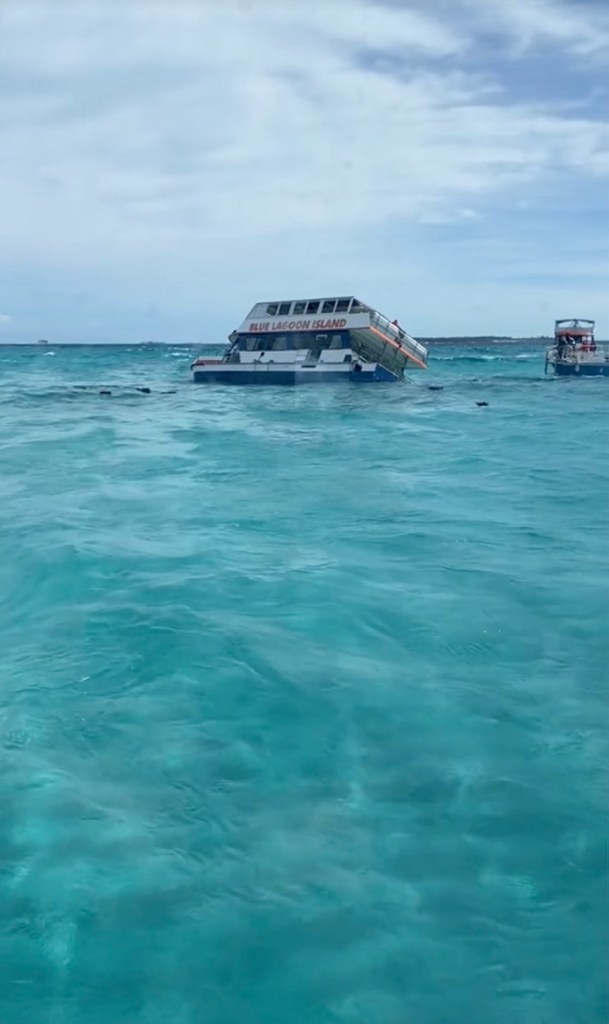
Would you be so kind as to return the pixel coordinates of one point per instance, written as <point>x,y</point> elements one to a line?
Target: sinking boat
<point>313,341</point>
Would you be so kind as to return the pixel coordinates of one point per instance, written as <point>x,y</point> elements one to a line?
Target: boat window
<point>284,308</point>
<point>280,343</point>
<point>342,305</point>
<point>250,344</point>
<point>262,344</point>
<point>328,306</point>
<point>312,307</point>
<point>299,307</point>
<point>337,341</point>
<point>322,339</point>
<point>356,307</point>
<point>272,309</point>
<point>347,358</point>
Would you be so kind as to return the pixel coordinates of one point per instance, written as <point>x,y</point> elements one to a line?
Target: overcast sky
<point>165,165</point>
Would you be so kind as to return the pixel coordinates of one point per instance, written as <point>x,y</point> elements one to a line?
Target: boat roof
<point>326,304</point>
<point>574,324</point>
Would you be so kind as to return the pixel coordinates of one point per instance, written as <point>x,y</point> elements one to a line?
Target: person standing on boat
<point>398,329</point>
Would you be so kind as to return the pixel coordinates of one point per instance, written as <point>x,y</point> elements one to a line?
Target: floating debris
<point>121,390</point>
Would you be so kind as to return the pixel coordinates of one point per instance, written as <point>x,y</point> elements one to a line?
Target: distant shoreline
<point>481,340</point>
<point>485,340</point>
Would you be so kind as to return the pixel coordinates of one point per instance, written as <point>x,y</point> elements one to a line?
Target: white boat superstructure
<point>575,352</point>
<point>299,341</point>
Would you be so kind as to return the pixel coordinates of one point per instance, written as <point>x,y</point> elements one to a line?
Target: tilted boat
<point>311,341</point>
<point>575,352</point>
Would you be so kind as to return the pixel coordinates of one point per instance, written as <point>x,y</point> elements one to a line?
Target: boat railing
<point>567,354</point>
<point>396,333</point>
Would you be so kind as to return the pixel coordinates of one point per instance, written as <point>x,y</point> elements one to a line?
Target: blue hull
<point>581,370</point>
<point>290,378</point>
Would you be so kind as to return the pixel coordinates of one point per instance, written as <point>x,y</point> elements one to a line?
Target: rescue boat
<point>575,352</point>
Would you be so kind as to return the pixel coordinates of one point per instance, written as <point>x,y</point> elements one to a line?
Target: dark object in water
<point>121,389</point>
<point>481,403</point>
<point>436,387</point>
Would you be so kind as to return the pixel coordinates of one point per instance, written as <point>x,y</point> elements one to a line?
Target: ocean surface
<point>303,694</point>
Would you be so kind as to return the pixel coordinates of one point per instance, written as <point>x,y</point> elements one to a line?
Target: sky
<point>163,166</point>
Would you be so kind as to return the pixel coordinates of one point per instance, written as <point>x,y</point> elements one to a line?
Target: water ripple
<point>302,695</point>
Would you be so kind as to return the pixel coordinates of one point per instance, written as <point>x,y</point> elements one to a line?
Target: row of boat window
<point>314,306</point>
<point>282,342</point>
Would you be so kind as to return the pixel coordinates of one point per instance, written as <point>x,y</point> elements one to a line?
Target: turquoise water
<point>303,698</point>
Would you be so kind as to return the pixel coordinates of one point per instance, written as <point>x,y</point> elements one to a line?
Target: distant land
<point>482,339</point>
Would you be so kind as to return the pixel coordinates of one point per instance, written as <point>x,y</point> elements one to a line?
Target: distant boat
<point>575,352</point>
<point>42,341</point>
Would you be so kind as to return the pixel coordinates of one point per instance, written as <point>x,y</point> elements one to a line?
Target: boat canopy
<point>574,328</point>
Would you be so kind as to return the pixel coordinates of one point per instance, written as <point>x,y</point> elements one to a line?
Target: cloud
<point>160,137</point>
<point>580,28</point>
